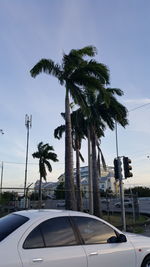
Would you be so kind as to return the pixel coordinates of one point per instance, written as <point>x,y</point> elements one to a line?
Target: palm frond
<point>85,51</point>
<point>81,157</point>
<point>63,115</point>
<point>52,156</point>
<point>103,161</point>
<point>115,91</point>
<point>47,66</point>
<point>58,132</point>
<point>94,69</point>
<point>40,146</point>
<point>48,165</point>
<point>102,157</point>
<point>77,95</point>
<point>99,164</point>
<point>36,155</point>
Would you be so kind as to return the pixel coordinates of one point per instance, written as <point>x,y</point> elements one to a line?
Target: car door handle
<point>37,260</point>
<point>93,253</point>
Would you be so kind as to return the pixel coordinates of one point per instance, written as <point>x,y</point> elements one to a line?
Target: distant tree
<point>7,197</point>
<point>45,155</point>
<point>140,191</point>
<point>35,196</point>
<point>60,191</point>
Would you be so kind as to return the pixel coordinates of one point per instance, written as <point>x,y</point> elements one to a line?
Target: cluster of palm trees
<point>95,107</point>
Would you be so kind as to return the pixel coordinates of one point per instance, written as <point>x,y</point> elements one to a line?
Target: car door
<point>52,243</point>
<point>95,234</point>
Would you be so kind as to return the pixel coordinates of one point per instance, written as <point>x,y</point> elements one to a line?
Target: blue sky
<point>35,29</point>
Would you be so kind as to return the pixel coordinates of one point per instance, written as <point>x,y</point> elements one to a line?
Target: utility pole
<point>28,124</point>
<point>120,182</point>
<point>1,185</point>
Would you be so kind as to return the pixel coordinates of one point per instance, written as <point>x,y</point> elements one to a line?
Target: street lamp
<point>28,124</point>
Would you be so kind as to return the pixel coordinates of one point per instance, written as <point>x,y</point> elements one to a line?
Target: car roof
<point>39,213</point>
<point>36,215</point>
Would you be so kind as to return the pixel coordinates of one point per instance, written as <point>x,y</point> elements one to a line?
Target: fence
<point>12,199</point>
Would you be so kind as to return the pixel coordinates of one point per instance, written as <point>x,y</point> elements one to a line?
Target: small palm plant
<point>44,154</point>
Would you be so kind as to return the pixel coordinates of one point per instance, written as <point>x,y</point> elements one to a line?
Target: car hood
<point>137,239</point>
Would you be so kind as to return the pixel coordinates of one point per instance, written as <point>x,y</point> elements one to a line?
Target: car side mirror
<point>112,239</point>
<point>122,238</point>
<point>117,239</point>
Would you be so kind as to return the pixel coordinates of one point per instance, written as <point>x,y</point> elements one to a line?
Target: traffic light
<point>117,168</point>
<point>127,167</point>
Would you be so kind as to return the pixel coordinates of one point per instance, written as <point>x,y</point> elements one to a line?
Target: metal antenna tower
<point>28,124</point>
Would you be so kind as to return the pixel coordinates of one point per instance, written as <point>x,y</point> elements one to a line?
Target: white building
<point>48,188</point>
<point>106,181</point>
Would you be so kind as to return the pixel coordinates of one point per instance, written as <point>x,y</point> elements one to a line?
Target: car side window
<point>58,232</point>
<point>93,231</point>
<point>54,232</point>
<point>34,239</point>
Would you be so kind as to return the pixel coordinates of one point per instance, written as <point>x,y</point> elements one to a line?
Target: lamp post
<point>28,124</point>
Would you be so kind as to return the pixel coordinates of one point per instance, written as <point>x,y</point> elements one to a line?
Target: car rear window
<point>10,223</point>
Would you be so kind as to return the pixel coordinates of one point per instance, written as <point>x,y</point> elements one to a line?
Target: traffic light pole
<point>122,203</point>
<point>120,183</point>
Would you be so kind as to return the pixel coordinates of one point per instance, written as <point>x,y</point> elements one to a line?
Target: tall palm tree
<point>78,133</point>
<point>103,114</point>
<point>77,74</point>
<point>80,125</point>
<point>45,155</point>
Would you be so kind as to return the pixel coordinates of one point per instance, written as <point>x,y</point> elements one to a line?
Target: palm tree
<point>103,114</point>
<point>78,133</point>
<point>44,154</point>
<point>78,75</point>
<point>80,125</point>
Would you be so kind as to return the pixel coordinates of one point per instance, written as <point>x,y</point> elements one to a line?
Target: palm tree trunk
<point>90,182</point>
<point>69,178</point>
<point>96,190</point>
<point>78,179</point>
<point>40,193</point>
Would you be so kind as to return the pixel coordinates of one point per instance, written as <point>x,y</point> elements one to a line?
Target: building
<point>48,188</point>
<point>106,181</point>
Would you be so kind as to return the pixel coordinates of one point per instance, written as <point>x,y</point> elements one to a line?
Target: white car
<point>127,204</point>
<point>61,204</point>
<point>60,238</point>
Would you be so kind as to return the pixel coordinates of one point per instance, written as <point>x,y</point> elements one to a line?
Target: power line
<point>139,107</point>
<point>23,163</point>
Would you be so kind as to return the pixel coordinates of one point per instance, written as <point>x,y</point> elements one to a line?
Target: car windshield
<point>10,223</point>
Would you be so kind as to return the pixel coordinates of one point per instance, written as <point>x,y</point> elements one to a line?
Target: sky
<point>35,29</point>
